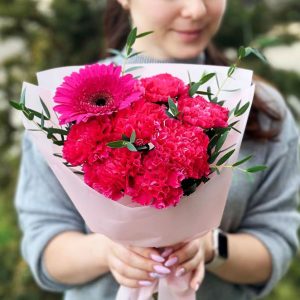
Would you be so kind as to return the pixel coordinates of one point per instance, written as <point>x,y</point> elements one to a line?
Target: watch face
<point>223,245</point>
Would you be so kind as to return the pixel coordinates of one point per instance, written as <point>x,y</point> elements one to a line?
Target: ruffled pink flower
<point>183,147</point>
<point>87,141</point>
<point>158,185</point>
<point>199,112</point>
<point>95,90</point>
<point>110,176</point>
<point>143,117</point>
<point>160,87</point>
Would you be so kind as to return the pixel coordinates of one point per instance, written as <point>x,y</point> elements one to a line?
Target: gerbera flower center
<point>100,102</point>
<point>103,99</point>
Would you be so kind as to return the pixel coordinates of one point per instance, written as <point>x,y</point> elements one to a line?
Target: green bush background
<point>70,34</point>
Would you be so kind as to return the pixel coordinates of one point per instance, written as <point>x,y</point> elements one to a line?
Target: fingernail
<point>172,261</point>
<point>167,252</point>
<point>162,270</point>
<point>179,272</point>
<point>197,287</point>
<point>156,275</point>
<point>157,258</point>
<point>145,283</point>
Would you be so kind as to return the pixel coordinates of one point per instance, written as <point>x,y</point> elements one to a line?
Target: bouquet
<point>140,148</point>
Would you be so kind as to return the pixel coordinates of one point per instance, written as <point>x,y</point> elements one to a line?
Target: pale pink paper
<point>145,226</point>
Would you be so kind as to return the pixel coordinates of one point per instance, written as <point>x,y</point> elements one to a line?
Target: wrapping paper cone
<point>129,224</point>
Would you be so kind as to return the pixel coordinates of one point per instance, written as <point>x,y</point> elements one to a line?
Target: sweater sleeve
<point>271,215</point>
<point>44,210</point>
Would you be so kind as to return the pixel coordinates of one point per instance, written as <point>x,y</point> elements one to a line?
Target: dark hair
<point>116,30</point>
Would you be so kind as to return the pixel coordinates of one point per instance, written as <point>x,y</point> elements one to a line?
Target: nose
<point>193,9</point>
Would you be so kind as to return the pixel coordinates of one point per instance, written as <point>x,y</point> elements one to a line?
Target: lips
<point>189,35</point>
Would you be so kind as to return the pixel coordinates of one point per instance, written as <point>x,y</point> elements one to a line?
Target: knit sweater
<point>265,207</point>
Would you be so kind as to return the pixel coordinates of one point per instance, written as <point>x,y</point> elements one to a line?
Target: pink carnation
<point>199,112</point>
<point>144,118</point>
<point>110,177</point>
<point>87,141</point>
<point>158,185</point>
<point>95,90</point>
<point>183,147</point>
<point>160,87</point>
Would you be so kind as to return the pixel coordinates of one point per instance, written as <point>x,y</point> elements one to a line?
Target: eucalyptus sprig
<point>172,111</point>
<point>125,142</point>
<point>30,114</point>
<point>129,51</point>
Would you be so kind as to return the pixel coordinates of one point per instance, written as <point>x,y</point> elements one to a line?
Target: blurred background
<point>40,34</point>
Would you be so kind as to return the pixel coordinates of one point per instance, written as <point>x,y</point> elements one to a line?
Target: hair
<point>116,30</point>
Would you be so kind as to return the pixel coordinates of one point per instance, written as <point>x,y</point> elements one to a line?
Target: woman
<point>260,220</point>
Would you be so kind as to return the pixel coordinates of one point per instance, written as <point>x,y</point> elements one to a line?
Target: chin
<point>187,53</point>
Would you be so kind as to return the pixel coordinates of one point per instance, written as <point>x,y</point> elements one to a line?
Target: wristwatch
<point>220,249</point>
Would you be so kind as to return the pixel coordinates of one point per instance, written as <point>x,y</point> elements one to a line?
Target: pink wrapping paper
<point>145,226</point>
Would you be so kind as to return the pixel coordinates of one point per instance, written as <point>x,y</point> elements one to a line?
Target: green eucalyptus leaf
<point>131,147</point>
<point>256,169</point>
<point>116,52</point>
<point>15,105</point>
<point>131,37</point>
<point>195,86</point>
<point>213,157</point>
<point>242,53</point>
<point>133,137</point>
<point>53,130</point>
<point>58,143</point>
<point>135,54</point>
<point>173,108</point>
<point>242,110</point>
<point>22,98</point>
<point>125,138</point>
<point>237,108</point>
<point>240,162</point>
<point>45,108</point>
<point>224,158</point>
<point>204,93</point>
<point>231,70</point>
<point>221,141</point>
<point>209,93</point>
<point>42,121</point>
<point>133,69</point>
<point>144,34</point>
<point>256,53</point>
<point>117,144</point>
<point>215,169</point>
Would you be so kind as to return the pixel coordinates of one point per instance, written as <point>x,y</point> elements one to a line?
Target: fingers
<point>184,253</point>
<point>136,260</point>
<point>134,267</point>
<point>148,253</point>
<point>198,276</point>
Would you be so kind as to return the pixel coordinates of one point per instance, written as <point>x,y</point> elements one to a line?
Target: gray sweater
<point>265,207</point>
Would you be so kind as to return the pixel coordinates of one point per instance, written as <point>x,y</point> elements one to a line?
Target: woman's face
<point>182,28</point>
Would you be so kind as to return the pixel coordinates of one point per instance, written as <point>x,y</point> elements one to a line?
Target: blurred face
<point>182,28</point>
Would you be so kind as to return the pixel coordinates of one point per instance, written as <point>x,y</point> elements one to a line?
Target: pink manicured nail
<point>197,287</point>
<point>156,275</point>
<point>167,252</point>
<point>162,270</point>
<point>145,283</point>
<point>171,262</point>
<point>157,258</point>
<point>179,272</point>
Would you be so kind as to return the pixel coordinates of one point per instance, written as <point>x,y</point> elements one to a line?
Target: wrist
<point>208,247</point>
<point>100,247</point>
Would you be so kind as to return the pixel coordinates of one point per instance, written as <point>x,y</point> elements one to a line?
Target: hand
<point>191,257</point>
<point>135,266</point>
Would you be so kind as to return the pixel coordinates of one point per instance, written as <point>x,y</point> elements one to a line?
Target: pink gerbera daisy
<point>95,90</point>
